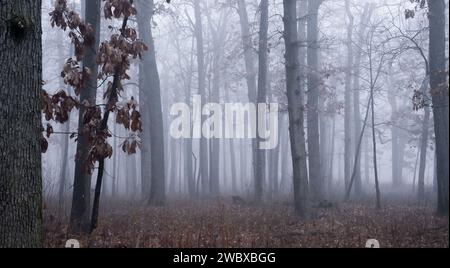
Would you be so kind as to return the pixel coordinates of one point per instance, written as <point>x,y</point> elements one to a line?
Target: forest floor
<point>222,224</point>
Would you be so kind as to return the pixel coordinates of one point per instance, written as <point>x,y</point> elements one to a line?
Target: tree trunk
<point>219,38</point>
<point>20,131</point>
<point>250,72</point>
<point>143,20</point>
<point>64,172</point>
<point>366,159</point>
<point>285,148</point>
<point>295,107</point>
<point>423,153</point>
<point>262,96</point>
<point>114,166</point>
<point>315,171</point>
<point>81,199</point>
<point>234,185</point>
<point>348,98</point>
<point>396,138</point>
<point>204,173</point>
<point>440,97</point>
<point>375,167</point>
<point>152,89</point>
<point>332,156</point>
<point>365,18</point>
<point>188,164</point>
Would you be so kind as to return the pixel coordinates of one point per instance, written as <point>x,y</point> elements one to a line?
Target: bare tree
<point>204,172</point>
<point>296,117</point>
<point>152,83</point>
<point>363,23</point>
<point>348,96</point>
<point>262,94</point>
<point>250,70</point>
<point>315,169</point>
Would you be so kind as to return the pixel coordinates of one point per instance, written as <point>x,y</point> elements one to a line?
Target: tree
<point>348,97</point>
<point>374,74</point>
<point>114,55</point>
<point>219,34</point>
<point>64,170</point>
<point>151,82</point>
<point>204,173</point>
<point>262,94</point>
<point>398,141</point>
<point>363,22</point>
<point>424,139</point>
<point>440,98</point>
<point>250,71</point>
<point>21,129</point>
<point>81,198</point>
<point>143,22</point>
<point>374,70</point>
<point>295,107</point>
<point>315,175</point>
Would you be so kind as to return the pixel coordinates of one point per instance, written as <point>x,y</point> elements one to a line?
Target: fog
<point>287,76</point>
<point>401,73</point>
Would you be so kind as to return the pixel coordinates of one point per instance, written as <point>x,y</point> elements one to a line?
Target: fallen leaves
<point>220,224</point>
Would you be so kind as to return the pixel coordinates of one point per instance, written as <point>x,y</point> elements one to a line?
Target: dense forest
<point>224,123</point>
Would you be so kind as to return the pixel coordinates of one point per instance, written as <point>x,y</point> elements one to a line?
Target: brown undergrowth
<point>220,224</point>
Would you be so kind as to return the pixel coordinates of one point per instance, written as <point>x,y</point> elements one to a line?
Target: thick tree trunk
<point>315,169</point>
<point>81,199</point>
<point>20,131</point>
<point>153,90</point>
<point>144,109</point>
<point>439,92</point>
<point>296,117</point>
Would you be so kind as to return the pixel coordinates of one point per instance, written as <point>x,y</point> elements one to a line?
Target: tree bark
<point>152,83</point>
<point>295,107</point>
<point>20,131</point>
<point>440,97</point>
<point>315,170</point>
<point>81,199</point>
<point>262,95</point>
